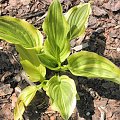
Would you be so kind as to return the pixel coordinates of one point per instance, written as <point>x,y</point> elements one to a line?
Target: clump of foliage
<point>36,56</point>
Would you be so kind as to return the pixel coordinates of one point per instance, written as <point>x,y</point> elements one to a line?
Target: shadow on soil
<point>8,69</point>
<point>104,89</point>
<point>7,73</point>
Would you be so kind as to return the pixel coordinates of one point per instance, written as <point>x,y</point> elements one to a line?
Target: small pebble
<point>118,49</point>
<point>88,113</point>
<point>1,48</point>
<point>36,111</point>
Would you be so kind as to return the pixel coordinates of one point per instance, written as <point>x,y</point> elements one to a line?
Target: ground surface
<point>100,100</point>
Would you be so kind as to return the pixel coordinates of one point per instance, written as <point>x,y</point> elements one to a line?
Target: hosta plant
<point>54,54</point>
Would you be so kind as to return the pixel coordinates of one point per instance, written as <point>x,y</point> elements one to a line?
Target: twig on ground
<point>42,17</point>
<point>31,15</point>
<point>27,79</point>
<point>80,47</point>
<point>23,74</point>
<point>103,114</point>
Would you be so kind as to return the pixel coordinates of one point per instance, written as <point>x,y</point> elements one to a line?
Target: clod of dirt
<point>113,33</point>
<point>13,2</point>
<point>25,2</point>
<point>5,89</point>
<point>114,6</point>
<point>92,22</point>
<point>98,11</point>
<point>100,2</point>
<point>6,113</point>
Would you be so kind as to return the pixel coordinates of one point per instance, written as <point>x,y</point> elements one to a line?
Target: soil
<point>99,99</point>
